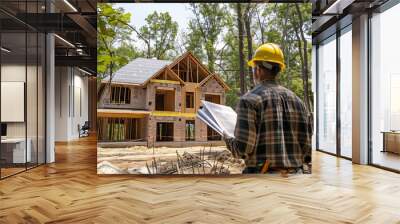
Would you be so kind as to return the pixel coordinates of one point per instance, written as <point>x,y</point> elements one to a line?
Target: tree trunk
<point>285,32</point>
<point>148,48</point>
<point>249,41</point>
<point>305,57</point>
<point>111,76</point>
<point>261,25</point>
<point>210,55</point>
<point>241,55</point>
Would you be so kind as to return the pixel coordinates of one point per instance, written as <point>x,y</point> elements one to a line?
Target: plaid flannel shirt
<point>272,124</point>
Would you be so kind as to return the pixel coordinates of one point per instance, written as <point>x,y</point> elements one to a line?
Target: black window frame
<point>40,37</point>
<point>341,24</point>
<point>334,36</point>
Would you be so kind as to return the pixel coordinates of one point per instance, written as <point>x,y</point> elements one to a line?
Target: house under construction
<point>154,102</point>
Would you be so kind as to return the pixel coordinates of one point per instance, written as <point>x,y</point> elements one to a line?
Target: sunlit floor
<point>8,171</point>
<point>386,159</point>
<point>70,191</point>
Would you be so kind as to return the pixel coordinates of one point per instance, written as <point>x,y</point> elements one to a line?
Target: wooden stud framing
<point>129,128</point>
<point>119,129</point>
<point>187,69</point>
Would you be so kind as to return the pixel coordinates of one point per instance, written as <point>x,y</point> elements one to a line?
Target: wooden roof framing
<point>217,78</point>
<point>190,57</point>
<point>168,69</point>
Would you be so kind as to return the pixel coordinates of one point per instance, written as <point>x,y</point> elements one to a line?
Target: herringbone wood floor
<point>69,191</point>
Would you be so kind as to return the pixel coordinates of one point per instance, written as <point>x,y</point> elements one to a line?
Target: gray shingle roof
<point>139,70</point>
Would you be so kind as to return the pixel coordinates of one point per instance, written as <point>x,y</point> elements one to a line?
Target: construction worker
<point>273,129</point>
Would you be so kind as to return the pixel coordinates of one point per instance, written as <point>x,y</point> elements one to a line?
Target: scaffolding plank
<point>165,81</point>
<point>119,113</point>
<point>172,114</point>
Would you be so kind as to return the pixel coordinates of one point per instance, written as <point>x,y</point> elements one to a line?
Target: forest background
<point>223,36</point>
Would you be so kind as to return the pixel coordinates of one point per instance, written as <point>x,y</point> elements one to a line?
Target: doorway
<point>165,132</point>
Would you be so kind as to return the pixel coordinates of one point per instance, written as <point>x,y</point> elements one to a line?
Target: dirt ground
<point>141,160</point>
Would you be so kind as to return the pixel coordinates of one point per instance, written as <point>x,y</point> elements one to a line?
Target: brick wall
<point>138,99</point>
<point>151,95</point>
<point>201,130</point>
<point>213,87</point>
<point>179,129</point>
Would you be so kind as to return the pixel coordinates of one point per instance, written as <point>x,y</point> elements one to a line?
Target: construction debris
<point>188,163</point>
<point>197,160</point>
<point>108,168</point>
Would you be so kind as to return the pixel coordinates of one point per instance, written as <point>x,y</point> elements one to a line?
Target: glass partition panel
<point>22,78</point>
<point>346,93</point>
<point>31,98</point>
<point>327,96</point>
<point>14,153</point>
<point>385,89</point>
<point>41,99</point>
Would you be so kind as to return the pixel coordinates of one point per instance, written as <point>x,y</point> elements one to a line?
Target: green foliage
<point>114,47</point>
<point>205,28</point>
<point>159,34</point>
<point>212,35</point>
<point>232,97</point>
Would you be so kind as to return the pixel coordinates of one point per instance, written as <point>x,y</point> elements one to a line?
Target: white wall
<point>14,73</point>
<point>33,126</point>
<point>71,94</point>
<point>80,93</point>
<point>61,103</point>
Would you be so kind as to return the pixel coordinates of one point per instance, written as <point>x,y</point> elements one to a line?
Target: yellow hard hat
<point>268,52</point>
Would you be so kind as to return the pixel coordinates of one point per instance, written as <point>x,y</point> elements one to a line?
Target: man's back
<point>273,124</point>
